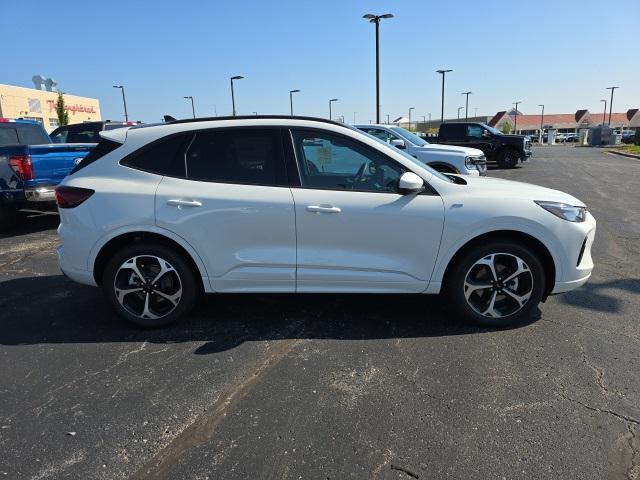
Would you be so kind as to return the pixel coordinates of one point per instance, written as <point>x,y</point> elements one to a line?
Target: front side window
<point>243,156</point>
<point>380,134</point>
<point>84,134</point>
<point>474,131</point>
<point>334,162</point>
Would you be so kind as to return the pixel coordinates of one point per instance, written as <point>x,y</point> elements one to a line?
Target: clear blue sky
<point>562,54</point>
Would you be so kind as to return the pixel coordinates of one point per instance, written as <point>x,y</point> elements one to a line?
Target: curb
<point>625,154</point>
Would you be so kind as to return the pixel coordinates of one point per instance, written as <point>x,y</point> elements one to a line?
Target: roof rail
<point>256,117</point>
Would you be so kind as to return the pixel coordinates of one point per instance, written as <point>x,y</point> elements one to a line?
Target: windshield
<point>407,135</point>
<point>414,160</point>
<point>491,129</point>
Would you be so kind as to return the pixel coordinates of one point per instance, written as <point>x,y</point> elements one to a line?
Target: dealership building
<point>40,105</point>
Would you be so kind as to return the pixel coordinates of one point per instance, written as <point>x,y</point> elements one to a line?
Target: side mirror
<point>410,183</point>
<point>396,142</point>
<point>485,134</point>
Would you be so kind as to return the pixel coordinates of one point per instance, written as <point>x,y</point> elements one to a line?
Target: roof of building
<point>567,120</point>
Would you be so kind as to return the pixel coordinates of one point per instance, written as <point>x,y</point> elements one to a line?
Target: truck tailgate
<point>51,163</point>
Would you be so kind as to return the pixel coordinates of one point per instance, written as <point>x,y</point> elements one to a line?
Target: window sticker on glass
<point>324,155</point>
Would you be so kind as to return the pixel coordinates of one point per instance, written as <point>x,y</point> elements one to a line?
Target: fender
<point>95,250</point>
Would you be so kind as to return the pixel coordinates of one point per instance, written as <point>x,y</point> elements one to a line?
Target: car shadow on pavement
<point>32,221</point>
<point>60,311</point>
<point>594,296</point>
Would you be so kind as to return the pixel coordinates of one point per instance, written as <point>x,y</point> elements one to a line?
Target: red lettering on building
<point>71,108</point>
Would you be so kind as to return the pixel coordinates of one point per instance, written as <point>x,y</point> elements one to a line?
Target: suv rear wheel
<point>150,285</point>
<point>497,284</point>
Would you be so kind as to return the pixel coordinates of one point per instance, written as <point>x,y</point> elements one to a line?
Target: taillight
<point>22,165</point>
<point>70,197</point>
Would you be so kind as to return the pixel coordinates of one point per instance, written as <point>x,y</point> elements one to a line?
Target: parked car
<point>87,132</point>
<point>30,167</point>
<point>571,137</point>
<point>498,147</point>
<point>158,214</point>
<point>629,136</point>
<point>444,158</point>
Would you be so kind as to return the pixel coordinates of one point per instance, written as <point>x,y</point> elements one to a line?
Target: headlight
<point>564,211</point>
<point>468,162</point>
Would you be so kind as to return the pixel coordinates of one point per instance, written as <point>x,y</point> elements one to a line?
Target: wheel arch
<point>450,168</point>
<point>117,242</point>
<point>539,248</point>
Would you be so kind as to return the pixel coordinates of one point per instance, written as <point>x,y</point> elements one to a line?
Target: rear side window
<point>243,156</point>
<point>8,136</point>
<point>455,131</point>
<point>105,146</point>
<point>23,134</point>
<point>84,134</point>
<point>163,157</point>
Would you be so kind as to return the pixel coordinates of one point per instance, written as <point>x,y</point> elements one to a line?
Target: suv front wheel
<point>497,284</point>
<point>508,158</point>
<point>150,285</point>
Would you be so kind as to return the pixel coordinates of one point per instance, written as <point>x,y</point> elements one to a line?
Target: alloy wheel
<point>147,286</point>
<point>498,285</point>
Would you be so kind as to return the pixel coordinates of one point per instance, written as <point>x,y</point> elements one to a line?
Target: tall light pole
<point>291,92</point>
<point>443,73</point>
<point>354,117</point>
<point>376,19</point>
<point>515,125</point>
<point>233,97</point>
<point>255,113</point>
<point>541,122</point>
<point>604,113</point>
<point>124,101</point>
<point>611,102</point>
<point>459,108</point>
<point>424,121</point>
<point>466,108</point>
<point>388,122</point>
<point>330,102</point>
<point>193,108</point>
<point>429,120</point>
<point>410,108</point>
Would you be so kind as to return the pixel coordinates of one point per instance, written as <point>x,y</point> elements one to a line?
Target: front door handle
<point>323,209</point>
<point>179,202</point>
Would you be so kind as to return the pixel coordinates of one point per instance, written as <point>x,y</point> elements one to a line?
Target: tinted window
<point>59,135</point>
<point>246,156</point>
<point>164,157</point>
<point>453,130</point>
<point>8,136</point>
<point>338,163</point>
<point>105,146</point>
<point>474,131</point>
<point>380,134</point>
<point>84,134</point>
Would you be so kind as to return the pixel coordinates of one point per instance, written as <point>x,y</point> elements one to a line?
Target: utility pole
<point>515,126</point>
<point>443,73</point>
<point>610,102</point>
<point>541,123</point>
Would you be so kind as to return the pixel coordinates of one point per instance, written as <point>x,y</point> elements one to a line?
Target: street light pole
<point>388,119</point>
<point>193,108</point>
<point>541,123</point>
<point>429,121</point>
<point>410,108</point>
<point>124,101</point>
<point>442,72</point>
<point>604,113</point>
<point>611,102</point>
<point>331,101</point>
<point>459,108</point>
<point>466,109</point>
<point>233,97</point>
<point>515,125</point>
<point>376,19</point>
<point>291,92</point>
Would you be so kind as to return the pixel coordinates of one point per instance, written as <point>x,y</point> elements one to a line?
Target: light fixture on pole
<point>124,101</point>
<point>193,108</point>
<point>515,126</point>
<point>330,102</point>
<point>611,102</point>
<point>443,73</point>
<point>233,97</point>
<point>466,108</point>
<point>291,92</point>
<point>376,19</point>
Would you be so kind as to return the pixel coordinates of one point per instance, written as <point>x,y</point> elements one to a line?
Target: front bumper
<point>578,263</point>
<point>40,194</point>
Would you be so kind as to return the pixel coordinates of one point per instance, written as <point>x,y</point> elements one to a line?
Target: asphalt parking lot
<point>331,387</point>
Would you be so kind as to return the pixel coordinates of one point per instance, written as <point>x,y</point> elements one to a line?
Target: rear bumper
<point>81,276</point>
<point>40,194</point>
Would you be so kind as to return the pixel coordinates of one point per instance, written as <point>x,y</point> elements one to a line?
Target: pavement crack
<point>203,427</point>
<point>633,472</point>
<point>619,416</point>
<point>598,372</point>
<point>404,470</point>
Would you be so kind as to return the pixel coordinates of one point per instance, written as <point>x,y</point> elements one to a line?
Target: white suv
<point>443,158</point>
<point>158,214</point>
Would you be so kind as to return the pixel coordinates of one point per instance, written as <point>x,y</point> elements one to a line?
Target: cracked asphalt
<point>330,387</point>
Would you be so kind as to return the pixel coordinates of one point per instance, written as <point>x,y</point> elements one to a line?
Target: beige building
<point>40,105</point>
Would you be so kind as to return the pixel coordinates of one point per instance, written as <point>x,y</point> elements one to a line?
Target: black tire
<point>186,281</point>
<point>508,158</point>
<point>8,218</point>
<point>465,263</point>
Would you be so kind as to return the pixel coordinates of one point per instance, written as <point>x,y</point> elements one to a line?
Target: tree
<point>506,128</point>
<point>63,115</point>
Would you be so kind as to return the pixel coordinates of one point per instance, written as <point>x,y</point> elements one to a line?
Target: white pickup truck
<point>444,158</point>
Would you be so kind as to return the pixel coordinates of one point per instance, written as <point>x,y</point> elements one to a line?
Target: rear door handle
<point>179,202</point>
<point>323,209</point>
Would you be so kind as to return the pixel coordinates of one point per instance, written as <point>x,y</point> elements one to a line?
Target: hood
<point>437,147</point>
<point>497,187</point>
